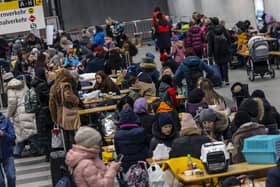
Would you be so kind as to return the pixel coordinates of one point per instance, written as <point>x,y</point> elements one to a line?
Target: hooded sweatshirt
<point>87,169</point>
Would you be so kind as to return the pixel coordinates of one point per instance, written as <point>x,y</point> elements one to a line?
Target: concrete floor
<point>270,87</point>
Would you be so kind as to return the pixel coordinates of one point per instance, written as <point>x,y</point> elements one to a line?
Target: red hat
<point>163,57</point>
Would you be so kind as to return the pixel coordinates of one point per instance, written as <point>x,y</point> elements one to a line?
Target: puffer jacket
<point>151,69</point>
<point>246,130</point>
<point>24,123</point>
<point>195,38</point>
<point>87,169</point>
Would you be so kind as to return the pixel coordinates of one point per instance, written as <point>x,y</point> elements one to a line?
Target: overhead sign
<point>21,15</point>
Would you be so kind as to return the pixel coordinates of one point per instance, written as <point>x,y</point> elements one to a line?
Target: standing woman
<point>105,84</point>
<point>24,123</point>
<point>62,94</point>
<point>43,116</point>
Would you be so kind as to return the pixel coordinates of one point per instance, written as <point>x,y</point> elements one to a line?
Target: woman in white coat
<point>24,123</point>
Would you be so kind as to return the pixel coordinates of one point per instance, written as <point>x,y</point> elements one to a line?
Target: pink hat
<point>187,121</point>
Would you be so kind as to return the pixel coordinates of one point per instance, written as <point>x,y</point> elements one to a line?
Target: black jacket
<point>96,64</point>
<point>43,117</point>
<point>218,30</point>
<point>113,62</point>
<point>189,143</point>
<point>273,177</point>
<point>163,34</point>
<point>147,121</point>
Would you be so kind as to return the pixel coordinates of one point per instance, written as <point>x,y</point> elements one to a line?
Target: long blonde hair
<point>211,96</point>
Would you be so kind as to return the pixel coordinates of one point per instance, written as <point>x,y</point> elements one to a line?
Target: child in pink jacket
<point>84,163</point>
<point>178,51</point>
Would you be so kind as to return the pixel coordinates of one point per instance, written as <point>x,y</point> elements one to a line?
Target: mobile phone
<point>119,158</point>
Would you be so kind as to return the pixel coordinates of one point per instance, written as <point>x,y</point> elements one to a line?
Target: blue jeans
<point>8,166</point>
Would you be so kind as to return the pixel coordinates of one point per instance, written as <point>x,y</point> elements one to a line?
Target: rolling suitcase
<point>57,163</point>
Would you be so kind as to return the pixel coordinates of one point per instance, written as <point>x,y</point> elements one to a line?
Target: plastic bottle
<point>189,162</point>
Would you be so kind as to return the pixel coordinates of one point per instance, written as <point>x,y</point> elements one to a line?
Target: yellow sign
<point>38,2</point>
<point>30,10</point>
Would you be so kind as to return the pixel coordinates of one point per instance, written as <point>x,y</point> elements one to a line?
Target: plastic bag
<point>57,141</point>
<point>156,176</point>
<point>161,152</point>
<point>108,126</point>
<point>92,95</point>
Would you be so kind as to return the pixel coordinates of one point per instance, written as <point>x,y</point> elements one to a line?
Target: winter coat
<point>160,138</point>
<point>132,143</point>
<point>147,122</point>
<point>145,85</point>
<point>95,65</point>
<point>114,62</point>
<point>219,59</point>
<point>170,62</point>
<point>273,177</point>
<point>163,34</point>
<point>151,70</point>
<point>43,116</point>
<point>183,71</point>
<point>246,130</point>
<point>70,99</point>
<point>98,39</point>
<point>24,123</point>
<point>88,170</point>
<point>189,142</point>
<point>8,138</point>
<point>195,39</point>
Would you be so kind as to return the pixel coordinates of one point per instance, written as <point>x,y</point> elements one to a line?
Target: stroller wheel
<point>251,75</point>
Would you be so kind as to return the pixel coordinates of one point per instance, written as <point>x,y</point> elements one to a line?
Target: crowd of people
<point>51,73</point>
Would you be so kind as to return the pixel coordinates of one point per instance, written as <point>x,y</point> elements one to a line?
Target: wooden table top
<point>150,161</point>
<point>150,100</point>
<point>234,169</point>
<point>276,53</point>
<point>97,109</point>
<point>244,53</point>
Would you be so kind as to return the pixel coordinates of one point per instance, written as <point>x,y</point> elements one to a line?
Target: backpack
<point>194,73</point>
<point>137,175</point>
<point>221,45</point>
<point>31,101</point>
<point>66,181</point>
<point>133,49</point>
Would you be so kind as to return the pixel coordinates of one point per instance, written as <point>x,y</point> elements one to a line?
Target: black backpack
<point>221,45</point>
<point>195,73</point>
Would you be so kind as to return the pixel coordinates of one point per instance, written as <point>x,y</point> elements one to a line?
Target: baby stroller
<point>258,63</point>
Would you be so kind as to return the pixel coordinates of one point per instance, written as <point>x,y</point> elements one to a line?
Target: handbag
<point>70,116</point>
<point>57,137</point>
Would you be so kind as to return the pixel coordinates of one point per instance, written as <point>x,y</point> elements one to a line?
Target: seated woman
<point>245,128</point>
<point>130,139</point>
<point>214,124</point>
<point>84,162</point>
<point>212,98</point>
<point>105,84</point>
<point>196,102</point>
<point>164,131</point>
<point>190,140</point>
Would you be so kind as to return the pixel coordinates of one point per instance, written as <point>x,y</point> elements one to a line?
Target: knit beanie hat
<point>207,115</point>
<point>259,94</point>
<point>140,106</point>
<point>187,121</point>
<point>196,95</point>
<point>165,118</point>
<point>127,116</point>
<point>87,137</point>
<point>241,118</point>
